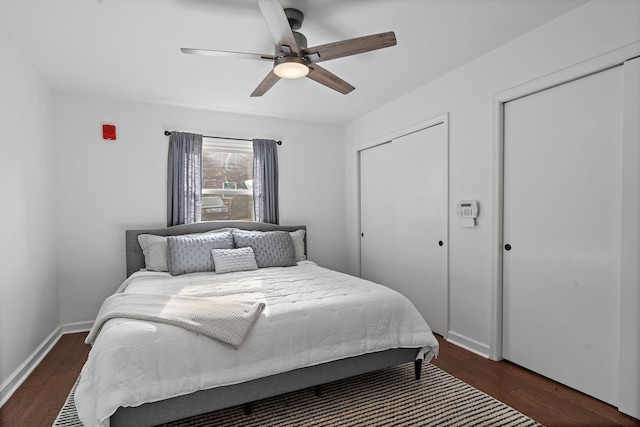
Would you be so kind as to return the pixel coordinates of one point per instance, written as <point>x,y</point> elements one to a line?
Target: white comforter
<point>312,315</point>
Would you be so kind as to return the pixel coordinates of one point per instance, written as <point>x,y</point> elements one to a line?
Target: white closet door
<point>421,218</point>
<point>629,395</point>
<point>562,209</point>
<point>404,220</point>
<point>377,215</point>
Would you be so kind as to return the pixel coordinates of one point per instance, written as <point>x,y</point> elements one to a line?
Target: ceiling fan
<point>292,58</point>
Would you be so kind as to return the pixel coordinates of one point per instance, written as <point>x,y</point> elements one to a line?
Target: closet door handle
<point>507,247</point>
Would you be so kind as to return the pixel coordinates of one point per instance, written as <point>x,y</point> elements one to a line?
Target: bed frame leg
<point>318,390</point>
<point>418,367</point>
<point>248,408</point>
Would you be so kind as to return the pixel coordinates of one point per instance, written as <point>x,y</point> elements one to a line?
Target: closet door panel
<point>562,198</point>
<point>629,394</point>
<point>377,215</point>
<point>421,213</point>
<point>403,216</point>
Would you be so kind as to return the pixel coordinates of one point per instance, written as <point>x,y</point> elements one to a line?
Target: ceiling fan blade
<point>266,84</point>
<point>350,47</point>
<point>278,25</point>
<point>225,54</point>
<point>327,78</point>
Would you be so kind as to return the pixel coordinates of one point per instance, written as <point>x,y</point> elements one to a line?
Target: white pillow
<point>154,249</point>
<point>298,244</point>
<point>230,260</point>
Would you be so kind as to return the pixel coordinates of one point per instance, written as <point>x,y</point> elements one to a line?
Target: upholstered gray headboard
<point>135,257</point>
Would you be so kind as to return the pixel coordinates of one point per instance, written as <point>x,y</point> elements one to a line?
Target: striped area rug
<point>390,397</point>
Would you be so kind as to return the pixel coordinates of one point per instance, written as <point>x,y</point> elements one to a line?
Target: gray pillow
<point>271,248</point>
<point>191,254</point>
<point>230,260</point>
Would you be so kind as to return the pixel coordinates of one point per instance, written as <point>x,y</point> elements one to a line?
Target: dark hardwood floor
<point>38,400</point>
<point>546,401</point>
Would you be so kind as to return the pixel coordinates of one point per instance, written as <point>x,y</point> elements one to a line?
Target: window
<point>227,178</point>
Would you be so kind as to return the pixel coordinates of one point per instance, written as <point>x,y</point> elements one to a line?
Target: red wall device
<point>109,132</point>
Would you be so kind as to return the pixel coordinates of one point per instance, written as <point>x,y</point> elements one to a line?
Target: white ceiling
<point>130,49</point>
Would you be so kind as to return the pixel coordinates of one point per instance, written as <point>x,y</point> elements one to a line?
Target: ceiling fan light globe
<point>290,68</point>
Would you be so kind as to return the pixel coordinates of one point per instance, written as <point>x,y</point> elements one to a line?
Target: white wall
<point>593,29</point>
<point>29,307</point>
<point>105,187</point>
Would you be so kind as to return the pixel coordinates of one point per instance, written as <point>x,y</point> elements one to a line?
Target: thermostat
<point>468,209</point>
<point>467,212</point>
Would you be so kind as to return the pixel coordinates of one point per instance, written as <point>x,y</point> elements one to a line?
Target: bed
<point>315,326</point>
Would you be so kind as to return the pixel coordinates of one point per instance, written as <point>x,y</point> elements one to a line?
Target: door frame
<point>592,66</point>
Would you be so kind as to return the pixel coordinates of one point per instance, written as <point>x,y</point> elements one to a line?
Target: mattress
<point>312,315</point>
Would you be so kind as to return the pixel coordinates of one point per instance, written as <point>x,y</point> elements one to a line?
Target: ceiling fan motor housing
<point>295,18</point>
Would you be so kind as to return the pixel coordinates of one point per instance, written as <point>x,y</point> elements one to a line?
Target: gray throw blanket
<point>225,321</point>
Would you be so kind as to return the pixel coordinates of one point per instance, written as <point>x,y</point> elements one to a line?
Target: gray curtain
<point>184,183</point>
<point>265,180</point>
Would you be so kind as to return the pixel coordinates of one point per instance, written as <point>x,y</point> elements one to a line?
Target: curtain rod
<point>167,133</point>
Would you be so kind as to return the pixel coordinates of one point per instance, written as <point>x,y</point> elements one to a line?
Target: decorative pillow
<point>154,249</point>
<point>271,248</point>
<point>190,254</point>
<point>298,244</point>
<point>230,260</point>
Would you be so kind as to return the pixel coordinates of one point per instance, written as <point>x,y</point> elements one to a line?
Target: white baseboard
<point>72,328</point>
<point>468,344</point>
<point>11,384</point>
<point>15,380</point>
